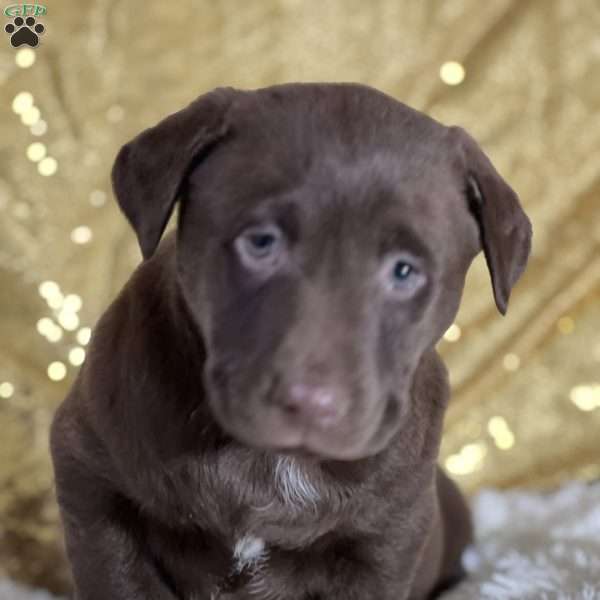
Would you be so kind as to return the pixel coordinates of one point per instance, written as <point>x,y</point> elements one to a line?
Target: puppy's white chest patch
<point>248,552</point>
<point>294,487</point>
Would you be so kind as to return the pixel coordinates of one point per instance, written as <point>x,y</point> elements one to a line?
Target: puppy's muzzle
<point>313,406</point>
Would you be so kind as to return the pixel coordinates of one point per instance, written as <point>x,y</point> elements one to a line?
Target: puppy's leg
<point>102,533</point>
<point>458,531</point>
<point>107,563</point>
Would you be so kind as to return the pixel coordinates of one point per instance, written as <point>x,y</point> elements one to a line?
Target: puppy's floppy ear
<point>149,170</point>
<point>505,230</point>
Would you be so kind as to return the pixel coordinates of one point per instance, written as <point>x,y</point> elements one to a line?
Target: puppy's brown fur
<point>183,469</point>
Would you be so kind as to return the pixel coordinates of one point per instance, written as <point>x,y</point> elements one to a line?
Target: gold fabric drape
<point>526,84</point>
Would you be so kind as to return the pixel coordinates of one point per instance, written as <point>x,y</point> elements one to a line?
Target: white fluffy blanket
<point>535,546</point>
<point>530,546</point>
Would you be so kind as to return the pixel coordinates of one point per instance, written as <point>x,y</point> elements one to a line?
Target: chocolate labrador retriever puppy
<point>260,412</point>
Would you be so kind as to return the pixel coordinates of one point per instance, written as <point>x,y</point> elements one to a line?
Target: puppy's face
<point>322,249</point>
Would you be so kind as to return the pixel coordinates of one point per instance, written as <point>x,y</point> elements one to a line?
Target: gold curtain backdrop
<point>522,76</point>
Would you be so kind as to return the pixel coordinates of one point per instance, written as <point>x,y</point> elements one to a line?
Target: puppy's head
<point>323,240</point>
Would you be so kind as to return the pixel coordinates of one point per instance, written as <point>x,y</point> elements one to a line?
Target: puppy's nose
<point>316,405</point>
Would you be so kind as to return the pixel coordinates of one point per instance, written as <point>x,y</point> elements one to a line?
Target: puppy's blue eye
<point>403,277</point>
<point>402,270</point>
<point>262,241</point>
<point>260,247</point>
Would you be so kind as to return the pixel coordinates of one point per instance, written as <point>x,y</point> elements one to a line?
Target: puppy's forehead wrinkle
<point>344,203</point>
<point>284,136</point>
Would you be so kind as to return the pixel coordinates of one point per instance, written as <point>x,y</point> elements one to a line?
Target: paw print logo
<point>24,31</point>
